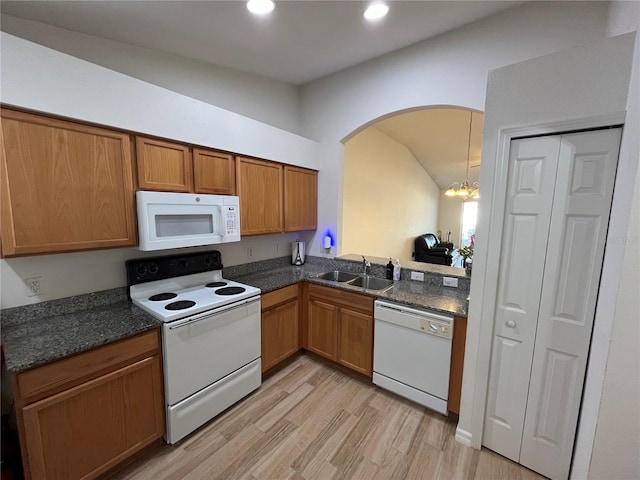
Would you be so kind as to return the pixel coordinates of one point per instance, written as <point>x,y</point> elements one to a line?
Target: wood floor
<point>310,421</point>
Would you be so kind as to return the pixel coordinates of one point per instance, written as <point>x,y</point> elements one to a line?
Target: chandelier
<point>465,189</point>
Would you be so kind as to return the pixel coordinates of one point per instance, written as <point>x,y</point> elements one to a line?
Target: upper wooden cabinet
<point>164,166</point>
<point>65,186</point>
<point>171,167</point>
<point>300,199</point>
<point>213,172</point>
<point>259,186</point>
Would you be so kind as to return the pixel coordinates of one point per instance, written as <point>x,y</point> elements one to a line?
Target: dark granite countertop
<point>33,335</point>
<point>408,292</point>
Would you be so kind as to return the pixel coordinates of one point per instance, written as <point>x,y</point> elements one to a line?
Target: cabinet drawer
<point>343,298</point>
<point>282,295</point>
<point>54,377</point>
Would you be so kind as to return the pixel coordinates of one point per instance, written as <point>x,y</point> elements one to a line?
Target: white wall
<point>449,70</point>
<point>45,80</point>
<point>617,440</point>
<point>580,87</point>
<point>388,197</point>
<point>452,69</point>
<point>68,274</point>
<point>270,101</point>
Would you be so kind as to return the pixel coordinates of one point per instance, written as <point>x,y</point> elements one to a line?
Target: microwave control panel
<point>231,220</point>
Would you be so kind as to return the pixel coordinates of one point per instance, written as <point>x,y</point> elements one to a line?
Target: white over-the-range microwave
<point>175,220</point>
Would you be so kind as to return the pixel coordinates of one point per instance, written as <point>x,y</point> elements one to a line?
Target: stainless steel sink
<point>372,283</point>
<point>338,276</point>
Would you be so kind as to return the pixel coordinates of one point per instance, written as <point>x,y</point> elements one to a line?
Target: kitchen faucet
<point>365,265</point>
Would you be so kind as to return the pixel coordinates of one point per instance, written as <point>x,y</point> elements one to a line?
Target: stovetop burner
<point>180,305</point>
<point>174,287</point>
<point>162,296</point>
<point>230,290</point>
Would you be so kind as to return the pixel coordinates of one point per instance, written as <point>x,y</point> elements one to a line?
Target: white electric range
<point>210,335</point>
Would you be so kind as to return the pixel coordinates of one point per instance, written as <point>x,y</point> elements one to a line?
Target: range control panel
<point>169,266</point>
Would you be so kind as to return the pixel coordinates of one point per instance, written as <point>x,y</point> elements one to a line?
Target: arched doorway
<point>396,170</point>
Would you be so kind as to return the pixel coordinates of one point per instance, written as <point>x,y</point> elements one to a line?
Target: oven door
<point>204,348</point>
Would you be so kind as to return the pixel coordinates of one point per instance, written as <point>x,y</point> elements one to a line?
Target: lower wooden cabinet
<point>322,326</point>
<point>340,327</point>
<point>111,407</point>
<point>279,335</point>
<point>355,348</point>
<point>457,363</point>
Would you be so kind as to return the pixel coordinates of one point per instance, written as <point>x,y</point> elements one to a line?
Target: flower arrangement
<point>467,250</point>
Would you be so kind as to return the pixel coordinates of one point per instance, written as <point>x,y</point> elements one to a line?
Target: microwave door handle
<point>223,221</point>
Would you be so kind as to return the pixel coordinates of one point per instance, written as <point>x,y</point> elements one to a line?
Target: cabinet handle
<point>511,324</point>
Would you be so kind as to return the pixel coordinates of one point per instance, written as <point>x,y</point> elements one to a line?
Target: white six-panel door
<point>535,390</point>
<point>533,164</point>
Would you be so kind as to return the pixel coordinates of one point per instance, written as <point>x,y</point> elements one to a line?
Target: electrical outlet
<point>450,282</point>
<point>417,276</point>
<point>35,286</point>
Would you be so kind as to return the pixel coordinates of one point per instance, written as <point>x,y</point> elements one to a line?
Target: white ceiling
<point>438,138</point>
<point>299,42</point>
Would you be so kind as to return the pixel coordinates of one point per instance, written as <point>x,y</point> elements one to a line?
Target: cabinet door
<point>65,186</point>
<point>84,431</point>
<point>214,172</point>
<point>457,363</point>
<point>279,334</point>
<point>322,327</point>
<point>163,166</point>
<point>300,199</point>
<point>355,348</point>
<point>259,186</point>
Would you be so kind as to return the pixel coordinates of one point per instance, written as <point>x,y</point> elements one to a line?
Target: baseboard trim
<point>463,437</point>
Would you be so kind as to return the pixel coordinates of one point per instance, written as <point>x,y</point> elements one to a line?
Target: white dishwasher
<point>412,353</point>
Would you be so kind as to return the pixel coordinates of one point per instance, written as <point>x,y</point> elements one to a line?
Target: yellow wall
<point>388,198</point>
<point>450,217</point>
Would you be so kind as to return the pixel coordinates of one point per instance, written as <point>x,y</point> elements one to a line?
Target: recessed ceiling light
<point>260,7</point>
<point>376,11</point>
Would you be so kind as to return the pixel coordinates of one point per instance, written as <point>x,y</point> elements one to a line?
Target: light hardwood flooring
<point>311,421</point>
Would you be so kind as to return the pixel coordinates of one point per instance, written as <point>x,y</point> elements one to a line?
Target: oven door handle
<point>209,314</point>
